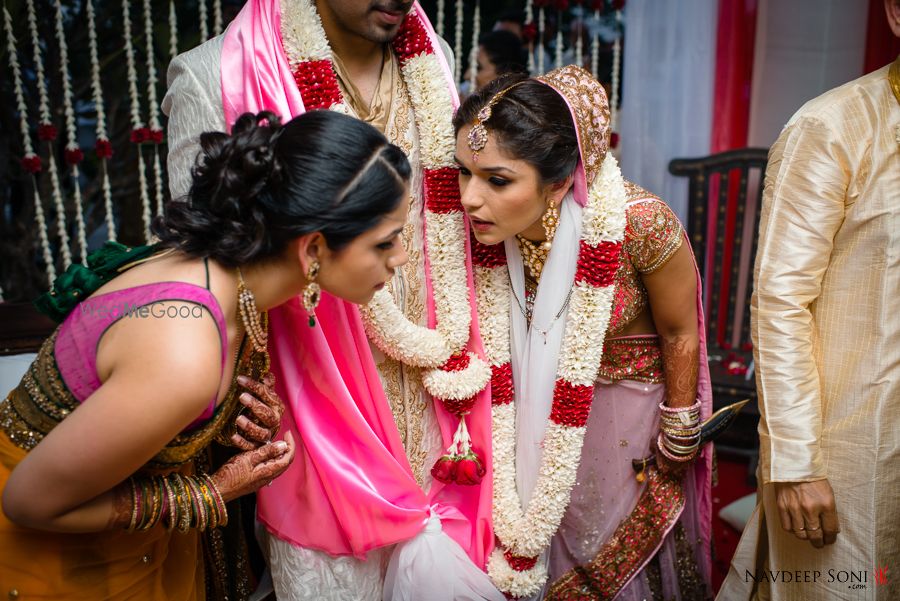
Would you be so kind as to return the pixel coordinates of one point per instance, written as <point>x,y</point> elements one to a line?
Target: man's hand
<point>807,510</point>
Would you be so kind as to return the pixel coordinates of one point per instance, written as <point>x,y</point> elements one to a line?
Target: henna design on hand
<point>681,364</point>
<point>260,420</point>
<point>248,471</point>
<point>122,507</point>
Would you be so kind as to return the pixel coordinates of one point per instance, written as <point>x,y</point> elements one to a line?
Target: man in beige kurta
<point>193,104</point>
<point>826,334</point>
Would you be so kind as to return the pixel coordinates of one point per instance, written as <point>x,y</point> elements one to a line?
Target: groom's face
<point>375,20</point>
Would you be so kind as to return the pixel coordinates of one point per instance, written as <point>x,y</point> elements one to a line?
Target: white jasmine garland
<point>439,24</point>
<point>526,531</point>
<point>616,67</point>
<point>542,25</point>
<point>136,121</point>
<point>217,17</point>
<point>595,46</point>
<point>100,126</point>
<point>458,43</point>
<point>529,18</point>
<point>71,130</point>
<point>473,52</point>
<point>559,44</point>
<point>173,30</point>
<point>152,104</point>
<point>44,111</point>
<point>204,19</point>
<point>22,109</point>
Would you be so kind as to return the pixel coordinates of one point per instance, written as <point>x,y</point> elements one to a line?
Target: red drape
<point>882,46</point>
<point>735,38</point>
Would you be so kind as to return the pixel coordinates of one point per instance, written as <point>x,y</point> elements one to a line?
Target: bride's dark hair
<point>265,184</point>
<point>531,122</point>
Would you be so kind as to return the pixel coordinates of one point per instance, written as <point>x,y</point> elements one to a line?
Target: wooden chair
<point>725,194</point>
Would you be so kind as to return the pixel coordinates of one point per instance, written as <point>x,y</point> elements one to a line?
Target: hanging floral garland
<point>47,133</point>
<point>616,70</point>
<point>451,374</point>
<point>204,19</point>
<point>579,39</point>
<point>73,153</point>
<point>560,6</point>
<point>439,22</point>
<point>173,30</point>
<point>473,53</point>
<point>30,162</point>
<point>156,132</point>
<point>217,17</point>
<point>542,26</point>
<point>595,39</point>
<point>525,533</point>
<point>102,147</point>
<point>458,43</point>
<point>529,32</point>
<point>140,133</point>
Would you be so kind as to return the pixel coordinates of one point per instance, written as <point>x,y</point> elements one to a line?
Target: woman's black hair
<point>505,50</point>
<point>531,122</point>
<point>265,184</point>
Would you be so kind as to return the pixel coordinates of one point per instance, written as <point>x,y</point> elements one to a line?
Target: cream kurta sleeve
<point>193,104</point>
<point>803,207</point>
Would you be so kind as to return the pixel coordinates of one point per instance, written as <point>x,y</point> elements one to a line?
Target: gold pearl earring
<point>312,293</point>
<point>550,221</point>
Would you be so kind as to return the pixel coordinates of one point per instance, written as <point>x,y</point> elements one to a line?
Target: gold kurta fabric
<point>826,335</point>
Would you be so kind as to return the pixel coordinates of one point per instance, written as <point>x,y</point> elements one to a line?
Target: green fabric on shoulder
<point>79,282</point>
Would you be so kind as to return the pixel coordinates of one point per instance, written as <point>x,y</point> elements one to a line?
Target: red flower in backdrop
<point>46,132</point>
<point>74,156</point>
<point>529,32</point>
<point>614,140</point>
<point>103,148</point>
<point>560,4</point>
<point>31,164</point>
<point>618,4</point>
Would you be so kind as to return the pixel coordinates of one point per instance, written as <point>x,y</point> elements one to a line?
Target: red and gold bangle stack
<point>679,435</point>
<point>181,502</point>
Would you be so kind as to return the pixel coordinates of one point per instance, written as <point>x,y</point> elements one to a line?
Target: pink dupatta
<point>351,488</point>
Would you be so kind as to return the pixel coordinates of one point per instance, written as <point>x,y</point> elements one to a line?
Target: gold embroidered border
<point>637,359</point>
<point>632,544</point>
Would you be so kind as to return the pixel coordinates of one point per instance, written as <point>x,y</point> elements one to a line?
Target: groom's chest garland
<point>451,374</point>
<point>524,533</point>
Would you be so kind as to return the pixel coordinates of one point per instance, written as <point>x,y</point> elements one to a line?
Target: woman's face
<point>361,268</point>
<point>486,70</point>
<point>502,196</point>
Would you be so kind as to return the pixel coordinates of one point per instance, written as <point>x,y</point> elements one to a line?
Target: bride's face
<point>503,196</point>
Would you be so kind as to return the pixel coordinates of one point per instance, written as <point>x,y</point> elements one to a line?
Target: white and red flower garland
<point>524,533</point>
<point>451,373</point>
<point>73,154</point>
<point>30,162</point>
<point>47,133</point>
<point>140,133</point>
<point>156,131</point>
<point>102,147</point>
<point>473,51</point>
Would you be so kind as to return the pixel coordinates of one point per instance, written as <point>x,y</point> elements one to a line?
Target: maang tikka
<point>477,138</point>
<point>312,293</point>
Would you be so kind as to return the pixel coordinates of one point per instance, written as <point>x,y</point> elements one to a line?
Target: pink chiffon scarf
<point>351,488</point>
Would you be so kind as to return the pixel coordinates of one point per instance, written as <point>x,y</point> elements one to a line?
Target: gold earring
<point>550,221</point>
<point>312,293</point>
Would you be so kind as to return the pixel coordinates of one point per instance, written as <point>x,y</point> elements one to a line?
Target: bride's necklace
<point>534,255</point>
<point>527,308</point>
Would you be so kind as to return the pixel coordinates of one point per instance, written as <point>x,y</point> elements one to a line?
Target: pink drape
<point>350,488</point>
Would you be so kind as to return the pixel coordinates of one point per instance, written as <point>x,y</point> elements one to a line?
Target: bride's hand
<point>248,471</point>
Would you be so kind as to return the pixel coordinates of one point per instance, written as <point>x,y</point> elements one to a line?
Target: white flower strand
<point>558,59</point>
<point>71,130</point>
<point>579,46</point>
<point>204,18</point>
<point>136,122</point>
<point>595,46</point>
<point>44,109</point>
<point>529,18</point>
<point>458,43</point>
<point>153,104</point>
<point>217,17</point>
<point>100,127</point>
<point>173,30</point>
<point>22,109</point>
<point>542,24</point>
<point>439,25</point>
<point>616,67</point>
<point>473,53</point>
